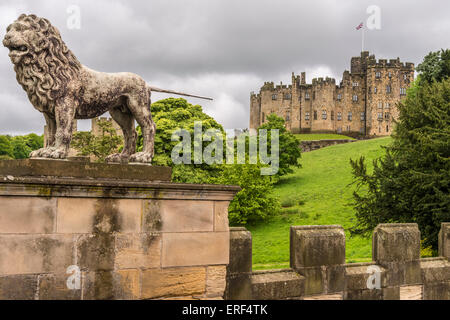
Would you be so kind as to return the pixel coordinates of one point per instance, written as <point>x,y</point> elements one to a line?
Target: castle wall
<point>350,107</point>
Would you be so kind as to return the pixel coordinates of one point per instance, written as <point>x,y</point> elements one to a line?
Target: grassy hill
<point>319,193</point>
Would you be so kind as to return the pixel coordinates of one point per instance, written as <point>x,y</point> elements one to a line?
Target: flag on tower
<point>360,26</point>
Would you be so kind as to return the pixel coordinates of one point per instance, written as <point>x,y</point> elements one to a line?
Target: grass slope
<point>322,136</point>
<point>319,193</point>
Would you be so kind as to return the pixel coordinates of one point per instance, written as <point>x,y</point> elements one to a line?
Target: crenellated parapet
<point>318,269</point>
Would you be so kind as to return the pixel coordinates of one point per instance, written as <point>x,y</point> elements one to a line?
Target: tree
<point>411,183</point>
<point>289,145</point>
<point>6,150</point>
<point>108,142</point>
<point>20,148</point>
<point>253,204</point>
<point>435,66</point>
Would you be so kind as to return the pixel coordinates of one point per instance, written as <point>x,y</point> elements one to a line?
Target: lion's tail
<point>177,93</point>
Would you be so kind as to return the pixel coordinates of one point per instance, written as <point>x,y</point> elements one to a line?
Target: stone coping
<point>83,169</point>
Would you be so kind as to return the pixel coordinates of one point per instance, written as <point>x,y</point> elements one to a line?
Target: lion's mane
<point>49,65</point>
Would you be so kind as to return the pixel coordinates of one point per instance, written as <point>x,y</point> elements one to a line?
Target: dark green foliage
<point>435,66</point>
<point>411,183</point>
<point>19,147</point>
<point>108,142</point>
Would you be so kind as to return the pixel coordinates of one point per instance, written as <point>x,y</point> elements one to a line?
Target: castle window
<point>387,128</point>
<point>355,98</point>
<point>390,75</point>
<point>387,116</point>
<point>388,89</point>
<point>350,116</point>
<point>339,116</point>
<point>263,117</point>
<point>332,115</point>
<point>355,84</point>
<point>314,95</point>
<point>387,105</point>
<point>378,75</point>
<point>315,115</point>
<point>324,115</point>
<point>339,96</point>
<point>274,97</point>
<point>380,105</point>
<point>380,116</point>
<point>307,96</point>
<point>402,91</point>
<point>288,117</point>
<point>375,90</point>
<point>307,116</point>
<point>405,76</point>
<point>363,116</point>
<point>287,96</point>
<point>339,130</point>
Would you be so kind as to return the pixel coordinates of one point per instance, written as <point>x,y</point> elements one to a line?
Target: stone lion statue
<point>60,87</point>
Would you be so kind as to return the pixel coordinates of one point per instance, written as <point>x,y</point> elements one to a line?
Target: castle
<point>363,103</point>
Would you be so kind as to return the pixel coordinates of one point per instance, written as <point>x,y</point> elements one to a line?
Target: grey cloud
<point>224,49</point>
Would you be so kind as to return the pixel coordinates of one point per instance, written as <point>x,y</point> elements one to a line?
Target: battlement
<point>358,64</point>
<point>321,81</point>
<point>318,269</point>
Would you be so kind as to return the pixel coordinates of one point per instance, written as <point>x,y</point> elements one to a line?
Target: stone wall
<point>312,145</point>
<point>319,272</point>
<point>135,236</point>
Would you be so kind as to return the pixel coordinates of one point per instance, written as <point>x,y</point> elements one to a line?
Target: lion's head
<point>42,61</point>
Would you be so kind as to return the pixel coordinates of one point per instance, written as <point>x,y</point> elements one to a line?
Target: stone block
<point>391,293</point>
<point>216,278</point>
<point>357,275</point>
<point>436,291</point>
<point>444,240</point>
<point>239,287</point>
<point>240,251</point>
<point>187,216</point>
<point>435,270</point>
<point>411,292</point>
<point>317,246</point>
<point>314,280</point>
<point>54,287</point>
<point>27,215</point>
<point>137,251</point>
<point>111,285</point>
<point>335,281</point>
<point>96,252</point>
<point>79,169</point>
<point>79,215</point>
<point>277,285</point>
<point>18,287</point>
<point>195,249</point>
<point>365,294</point>
<point>173,282</point>
<point>334,296</point>
<point>34,254</point>
<point>221,222</point>
<point>396,243</point>
<point>403,273</point>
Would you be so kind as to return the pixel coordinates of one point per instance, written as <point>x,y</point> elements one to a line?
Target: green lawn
<point>316,194</point>
<point>322,136</point>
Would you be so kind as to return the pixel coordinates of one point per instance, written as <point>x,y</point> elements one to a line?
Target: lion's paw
<point>141,157</point>
<point>117,158</point>
<point>50,153</point>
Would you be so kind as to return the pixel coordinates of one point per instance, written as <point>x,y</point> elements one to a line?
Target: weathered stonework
<point>129,238</point>
<point>324,106</point>
<point>318,270</point>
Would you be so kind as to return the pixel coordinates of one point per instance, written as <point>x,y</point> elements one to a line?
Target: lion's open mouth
<point>19,48</point>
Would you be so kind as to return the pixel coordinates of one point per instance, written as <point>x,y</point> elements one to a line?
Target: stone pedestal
<point>79,230</point>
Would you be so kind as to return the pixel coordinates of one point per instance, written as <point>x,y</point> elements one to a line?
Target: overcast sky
<point>222,48</point>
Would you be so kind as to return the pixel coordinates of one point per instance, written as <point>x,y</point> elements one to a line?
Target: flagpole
<point>362,43</point>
